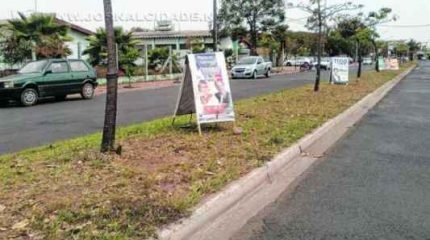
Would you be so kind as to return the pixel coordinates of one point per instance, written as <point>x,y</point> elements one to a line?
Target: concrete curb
<point>226,212</point>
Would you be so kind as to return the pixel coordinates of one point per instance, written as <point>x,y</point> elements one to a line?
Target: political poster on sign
<point>394,64</point>
<point>387,64</point>
<point>340,70</point>
<point>206,89</point>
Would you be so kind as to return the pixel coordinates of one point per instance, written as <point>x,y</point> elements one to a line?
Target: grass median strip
<point>69,191</point>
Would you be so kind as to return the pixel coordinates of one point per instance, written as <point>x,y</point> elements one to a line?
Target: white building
<point>179,41</point>
<point>79,36</point>
<point>165,35</point>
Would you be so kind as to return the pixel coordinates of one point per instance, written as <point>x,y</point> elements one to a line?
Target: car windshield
<point>247,61</point>
<point>34,67</point>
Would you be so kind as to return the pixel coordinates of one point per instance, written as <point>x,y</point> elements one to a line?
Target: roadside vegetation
<point>69,190</point>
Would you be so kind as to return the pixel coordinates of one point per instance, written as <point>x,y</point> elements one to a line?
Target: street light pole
<point>215,26</point>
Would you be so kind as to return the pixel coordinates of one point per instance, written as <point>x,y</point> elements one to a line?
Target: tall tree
<point>256,15</point>
<point>338,45</point>
<point>372,20</point>
<point>320,16</point>
<point>355,29</point>
<point>401,49</point>
<point>362,29</point>
<point>269,42</point>
<point>280,35</point>
<point>109,129</point>
<point>414,46</point>
<point>301,43</point>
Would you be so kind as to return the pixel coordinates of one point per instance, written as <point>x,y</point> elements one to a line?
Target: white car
<point>325,63</point>
<point>251,67</point>
<point>367,61</point>
<point>299,61</point>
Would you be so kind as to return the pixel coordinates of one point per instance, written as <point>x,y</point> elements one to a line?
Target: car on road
<point>49,78</point>
<point>299,61</point>
<point>251,67</point>
<point>367,61</point>
<point>325,63</point>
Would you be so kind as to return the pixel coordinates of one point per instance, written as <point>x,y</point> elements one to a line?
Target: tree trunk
<point>254,42</point>
<point>254,36</point>
<point>376,56</point>
<point>318,77</point>
<point>109,129</point>
<point>280,55</point>
<point>360,61</point>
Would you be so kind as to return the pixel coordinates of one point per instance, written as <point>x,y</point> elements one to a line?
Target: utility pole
<point>215,26</point>
<point>109,129</point>
<point>35,6</point>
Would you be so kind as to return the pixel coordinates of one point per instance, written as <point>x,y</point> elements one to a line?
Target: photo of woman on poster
<point>336,76</point>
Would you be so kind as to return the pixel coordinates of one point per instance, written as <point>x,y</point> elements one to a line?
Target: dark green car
<point>49,78</point>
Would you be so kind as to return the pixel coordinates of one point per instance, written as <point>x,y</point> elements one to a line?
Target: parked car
<point>251,67</point>
<point>367,61</point>
<point>299,61</point>
<point>325,63</point>
<point>49,78</point>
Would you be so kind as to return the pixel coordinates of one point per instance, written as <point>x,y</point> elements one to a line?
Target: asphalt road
<point>375,184</point>
<point>22,128</point>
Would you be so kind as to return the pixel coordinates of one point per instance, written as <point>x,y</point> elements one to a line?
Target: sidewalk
<point>373,185</point>
<point>141,85</point>
<point>138,86</point>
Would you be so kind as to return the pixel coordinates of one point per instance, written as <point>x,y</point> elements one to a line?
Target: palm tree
<point>44,34</point>
<point>109,129</point>
<point>97,49</point>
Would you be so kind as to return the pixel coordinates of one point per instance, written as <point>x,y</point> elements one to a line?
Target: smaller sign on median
<point>340,70</point>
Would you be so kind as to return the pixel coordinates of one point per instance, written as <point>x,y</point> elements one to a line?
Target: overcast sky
<point>195,14</point>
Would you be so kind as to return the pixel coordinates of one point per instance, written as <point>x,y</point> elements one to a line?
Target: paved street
<point>45,123</point>
<point>51,121</point>
<point>373,185</point>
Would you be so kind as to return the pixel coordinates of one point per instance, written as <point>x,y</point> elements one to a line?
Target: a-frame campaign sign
<point>206,90</point>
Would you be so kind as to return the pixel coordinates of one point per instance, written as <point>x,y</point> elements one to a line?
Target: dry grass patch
<point>70,191</point>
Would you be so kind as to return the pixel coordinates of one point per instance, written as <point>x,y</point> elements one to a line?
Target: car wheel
<point>254,75</point>
<point>267,73</point>
<point>29,97</point>
<point>87,91</point>
<point>289,65</point>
